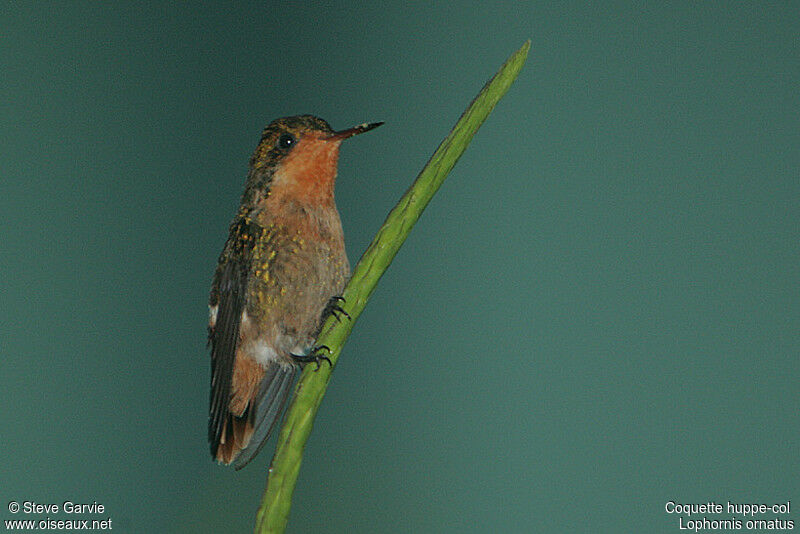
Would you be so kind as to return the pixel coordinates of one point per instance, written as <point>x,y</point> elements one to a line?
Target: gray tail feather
<point>272,395</point>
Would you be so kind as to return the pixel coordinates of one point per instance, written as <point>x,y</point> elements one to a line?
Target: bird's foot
<point>314,355</point>
<point>333,308</point>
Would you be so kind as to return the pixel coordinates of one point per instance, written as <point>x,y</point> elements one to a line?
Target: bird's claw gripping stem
<point>313,356</point>
<point>333,308</point>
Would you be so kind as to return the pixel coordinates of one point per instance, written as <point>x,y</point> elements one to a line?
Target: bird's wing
<point>227,301</point>
<point>229,290</point>
<point>239,436</point>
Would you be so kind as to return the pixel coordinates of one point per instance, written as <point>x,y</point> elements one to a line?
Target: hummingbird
<point>279,276</point>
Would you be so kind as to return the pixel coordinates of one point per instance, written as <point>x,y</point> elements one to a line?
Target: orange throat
<point>308,174</point>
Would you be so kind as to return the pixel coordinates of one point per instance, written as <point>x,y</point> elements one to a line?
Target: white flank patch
<point>263,353</point>
<point>212,316</point>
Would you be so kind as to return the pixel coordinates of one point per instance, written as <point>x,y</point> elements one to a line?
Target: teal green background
<point>598,313</point>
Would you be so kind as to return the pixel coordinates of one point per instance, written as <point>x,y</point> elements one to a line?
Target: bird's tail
<point>244,435</point>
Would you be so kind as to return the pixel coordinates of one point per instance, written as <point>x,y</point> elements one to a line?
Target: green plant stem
<point>274,510</point>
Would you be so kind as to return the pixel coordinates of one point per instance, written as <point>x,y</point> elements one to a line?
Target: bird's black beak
<point>350,132</point>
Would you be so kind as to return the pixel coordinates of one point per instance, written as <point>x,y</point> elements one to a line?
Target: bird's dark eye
<point>286,141</point>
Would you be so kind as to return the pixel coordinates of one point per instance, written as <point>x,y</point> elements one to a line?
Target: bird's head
<point>299,155</point>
